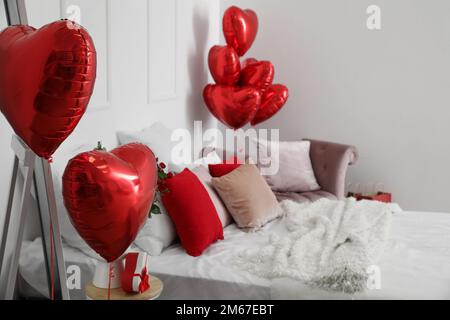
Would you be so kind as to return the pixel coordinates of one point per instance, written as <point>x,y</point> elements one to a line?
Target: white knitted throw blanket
<point>330,244</point>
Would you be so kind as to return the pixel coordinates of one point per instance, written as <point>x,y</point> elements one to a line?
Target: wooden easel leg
<point>24,205</point>
<point>49,217</point>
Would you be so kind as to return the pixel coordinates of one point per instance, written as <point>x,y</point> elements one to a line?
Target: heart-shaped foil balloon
<point>259,74</point>
<point>46,80</point>
<point>273,100</point>
<point>233,106</point>
<point>224,65</point>
<point>248,62</point>
<point>240,28</point>
<point>109,195</point>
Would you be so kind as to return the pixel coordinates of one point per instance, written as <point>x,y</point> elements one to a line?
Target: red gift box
<point>379,196</point>
<point>135,277</point>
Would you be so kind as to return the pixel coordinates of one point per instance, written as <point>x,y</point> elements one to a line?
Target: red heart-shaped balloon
<point>109,195</point>
<point>46,80</point>
<point>272,101</point>
<point>259,74</point>
<point>248,62</point>
<point>240,28</point>
<point>233,106</point>
<point>224,65</point>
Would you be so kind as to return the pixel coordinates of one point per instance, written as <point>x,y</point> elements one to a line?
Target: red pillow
<point>192,211</point>
<point>221,169</point>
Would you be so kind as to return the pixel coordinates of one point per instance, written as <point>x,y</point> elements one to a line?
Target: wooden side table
<point>156,287</point>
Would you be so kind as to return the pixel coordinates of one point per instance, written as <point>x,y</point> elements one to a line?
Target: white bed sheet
<point>207,277</point>
<point>416,265</point>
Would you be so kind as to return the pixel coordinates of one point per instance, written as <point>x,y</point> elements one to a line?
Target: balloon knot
<point>100,146</point>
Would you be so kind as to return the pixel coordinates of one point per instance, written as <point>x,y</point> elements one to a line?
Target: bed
<point>415,265</point>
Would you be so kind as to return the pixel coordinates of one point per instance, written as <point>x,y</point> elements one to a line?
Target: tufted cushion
<point>304,196</point>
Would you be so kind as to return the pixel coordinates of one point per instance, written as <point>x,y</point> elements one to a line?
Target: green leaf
<point>162,175</point>
<point>99,146</point>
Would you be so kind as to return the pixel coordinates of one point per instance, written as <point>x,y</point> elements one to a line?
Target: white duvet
<point>330,244</point>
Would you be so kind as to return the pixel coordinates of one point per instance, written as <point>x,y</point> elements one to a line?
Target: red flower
<point>161,184</point>
<point>162,165</point>
<point>169,175</point>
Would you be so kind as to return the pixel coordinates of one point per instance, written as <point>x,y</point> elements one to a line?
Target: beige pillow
<point>248,197</point>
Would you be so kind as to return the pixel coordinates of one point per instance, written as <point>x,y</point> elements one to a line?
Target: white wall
<point>387,91</point>
<point>151,67</point>
<point>384,91</point>
<point>3,22</point>
<point>5,139</point>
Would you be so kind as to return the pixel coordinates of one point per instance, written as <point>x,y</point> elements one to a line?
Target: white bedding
<point>329,244</point>
<point>416,265</point>
<point>184,277</point>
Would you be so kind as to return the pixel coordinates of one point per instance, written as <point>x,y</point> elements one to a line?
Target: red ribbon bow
<point>144,285</point>
<point>135,266</point>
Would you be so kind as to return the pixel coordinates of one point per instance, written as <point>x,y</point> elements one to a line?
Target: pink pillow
<point>247,197</point>
<point>205,178</point>
<point>295,172</point>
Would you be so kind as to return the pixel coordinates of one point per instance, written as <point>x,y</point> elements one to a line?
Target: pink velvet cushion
<point>295,172</point>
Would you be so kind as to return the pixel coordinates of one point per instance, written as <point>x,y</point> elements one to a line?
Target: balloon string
<point>110,273</point>
<point>52,262</point>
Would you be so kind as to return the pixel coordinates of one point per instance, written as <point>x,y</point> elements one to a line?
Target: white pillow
<point>292,170</point>
<point>157,234</point>
<point>157,137</point>
<point>202,173</point>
